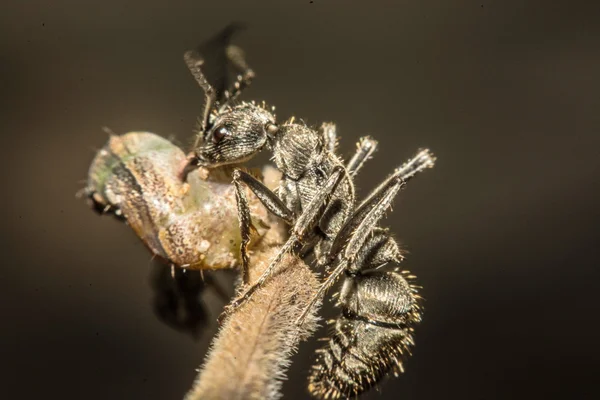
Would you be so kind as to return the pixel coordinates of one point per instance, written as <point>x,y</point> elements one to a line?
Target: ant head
<point>235,134</point>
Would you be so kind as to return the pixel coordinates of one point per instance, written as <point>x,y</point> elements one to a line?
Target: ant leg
<point>267,198</point>
<point>363,226</point>
<point>264,194</point>
<point>356,230</point>
<point>364,149</point>
<point>424,159</point>
<point>303,225</point>
<point>236,56</point>
<point>246,227</point>
<point>329,133</point>
<point>194,63</point>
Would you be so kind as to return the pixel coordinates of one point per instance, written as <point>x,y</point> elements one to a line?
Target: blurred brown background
<point>502,233</point>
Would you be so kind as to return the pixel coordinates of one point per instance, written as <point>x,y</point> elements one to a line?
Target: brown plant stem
<point>251,352</point>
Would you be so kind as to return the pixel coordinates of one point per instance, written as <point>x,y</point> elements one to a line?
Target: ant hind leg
<point>365,148</point>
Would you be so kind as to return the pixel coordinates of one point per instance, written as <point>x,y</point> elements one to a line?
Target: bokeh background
<point>503,233</point>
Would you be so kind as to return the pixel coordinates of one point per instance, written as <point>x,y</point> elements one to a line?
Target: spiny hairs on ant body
<point>374,332</point>
<point>316,199</point>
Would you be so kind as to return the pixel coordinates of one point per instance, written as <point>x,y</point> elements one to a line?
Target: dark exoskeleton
<point>316,199</point>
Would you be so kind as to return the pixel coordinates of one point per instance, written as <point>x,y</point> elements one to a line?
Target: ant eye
<point>219,133</point>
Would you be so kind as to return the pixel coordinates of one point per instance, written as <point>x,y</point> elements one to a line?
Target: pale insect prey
<point>193,224</point>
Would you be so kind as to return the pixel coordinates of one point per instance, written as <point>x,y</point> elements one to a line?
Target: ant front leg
<point>304,224</point>
<point>271,202</point>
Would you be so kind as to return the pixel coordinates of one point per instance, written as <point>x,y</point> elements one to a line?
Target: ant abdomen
<point>374,330</point>
<point>377,297</point>
<point>372,335</point>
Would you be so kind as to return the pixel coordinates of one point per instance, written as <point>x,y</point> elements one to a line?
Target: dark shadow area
<point>177,297</point>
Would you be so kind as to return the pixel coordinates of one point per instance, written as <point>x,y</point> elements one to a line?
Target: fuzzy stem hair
<point>251,352</point>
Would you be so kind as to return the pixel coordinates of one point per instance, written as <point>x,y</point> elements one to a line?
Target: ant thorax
<point>297,149</point>
<point>306,163</point>
<point>193,224</point>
